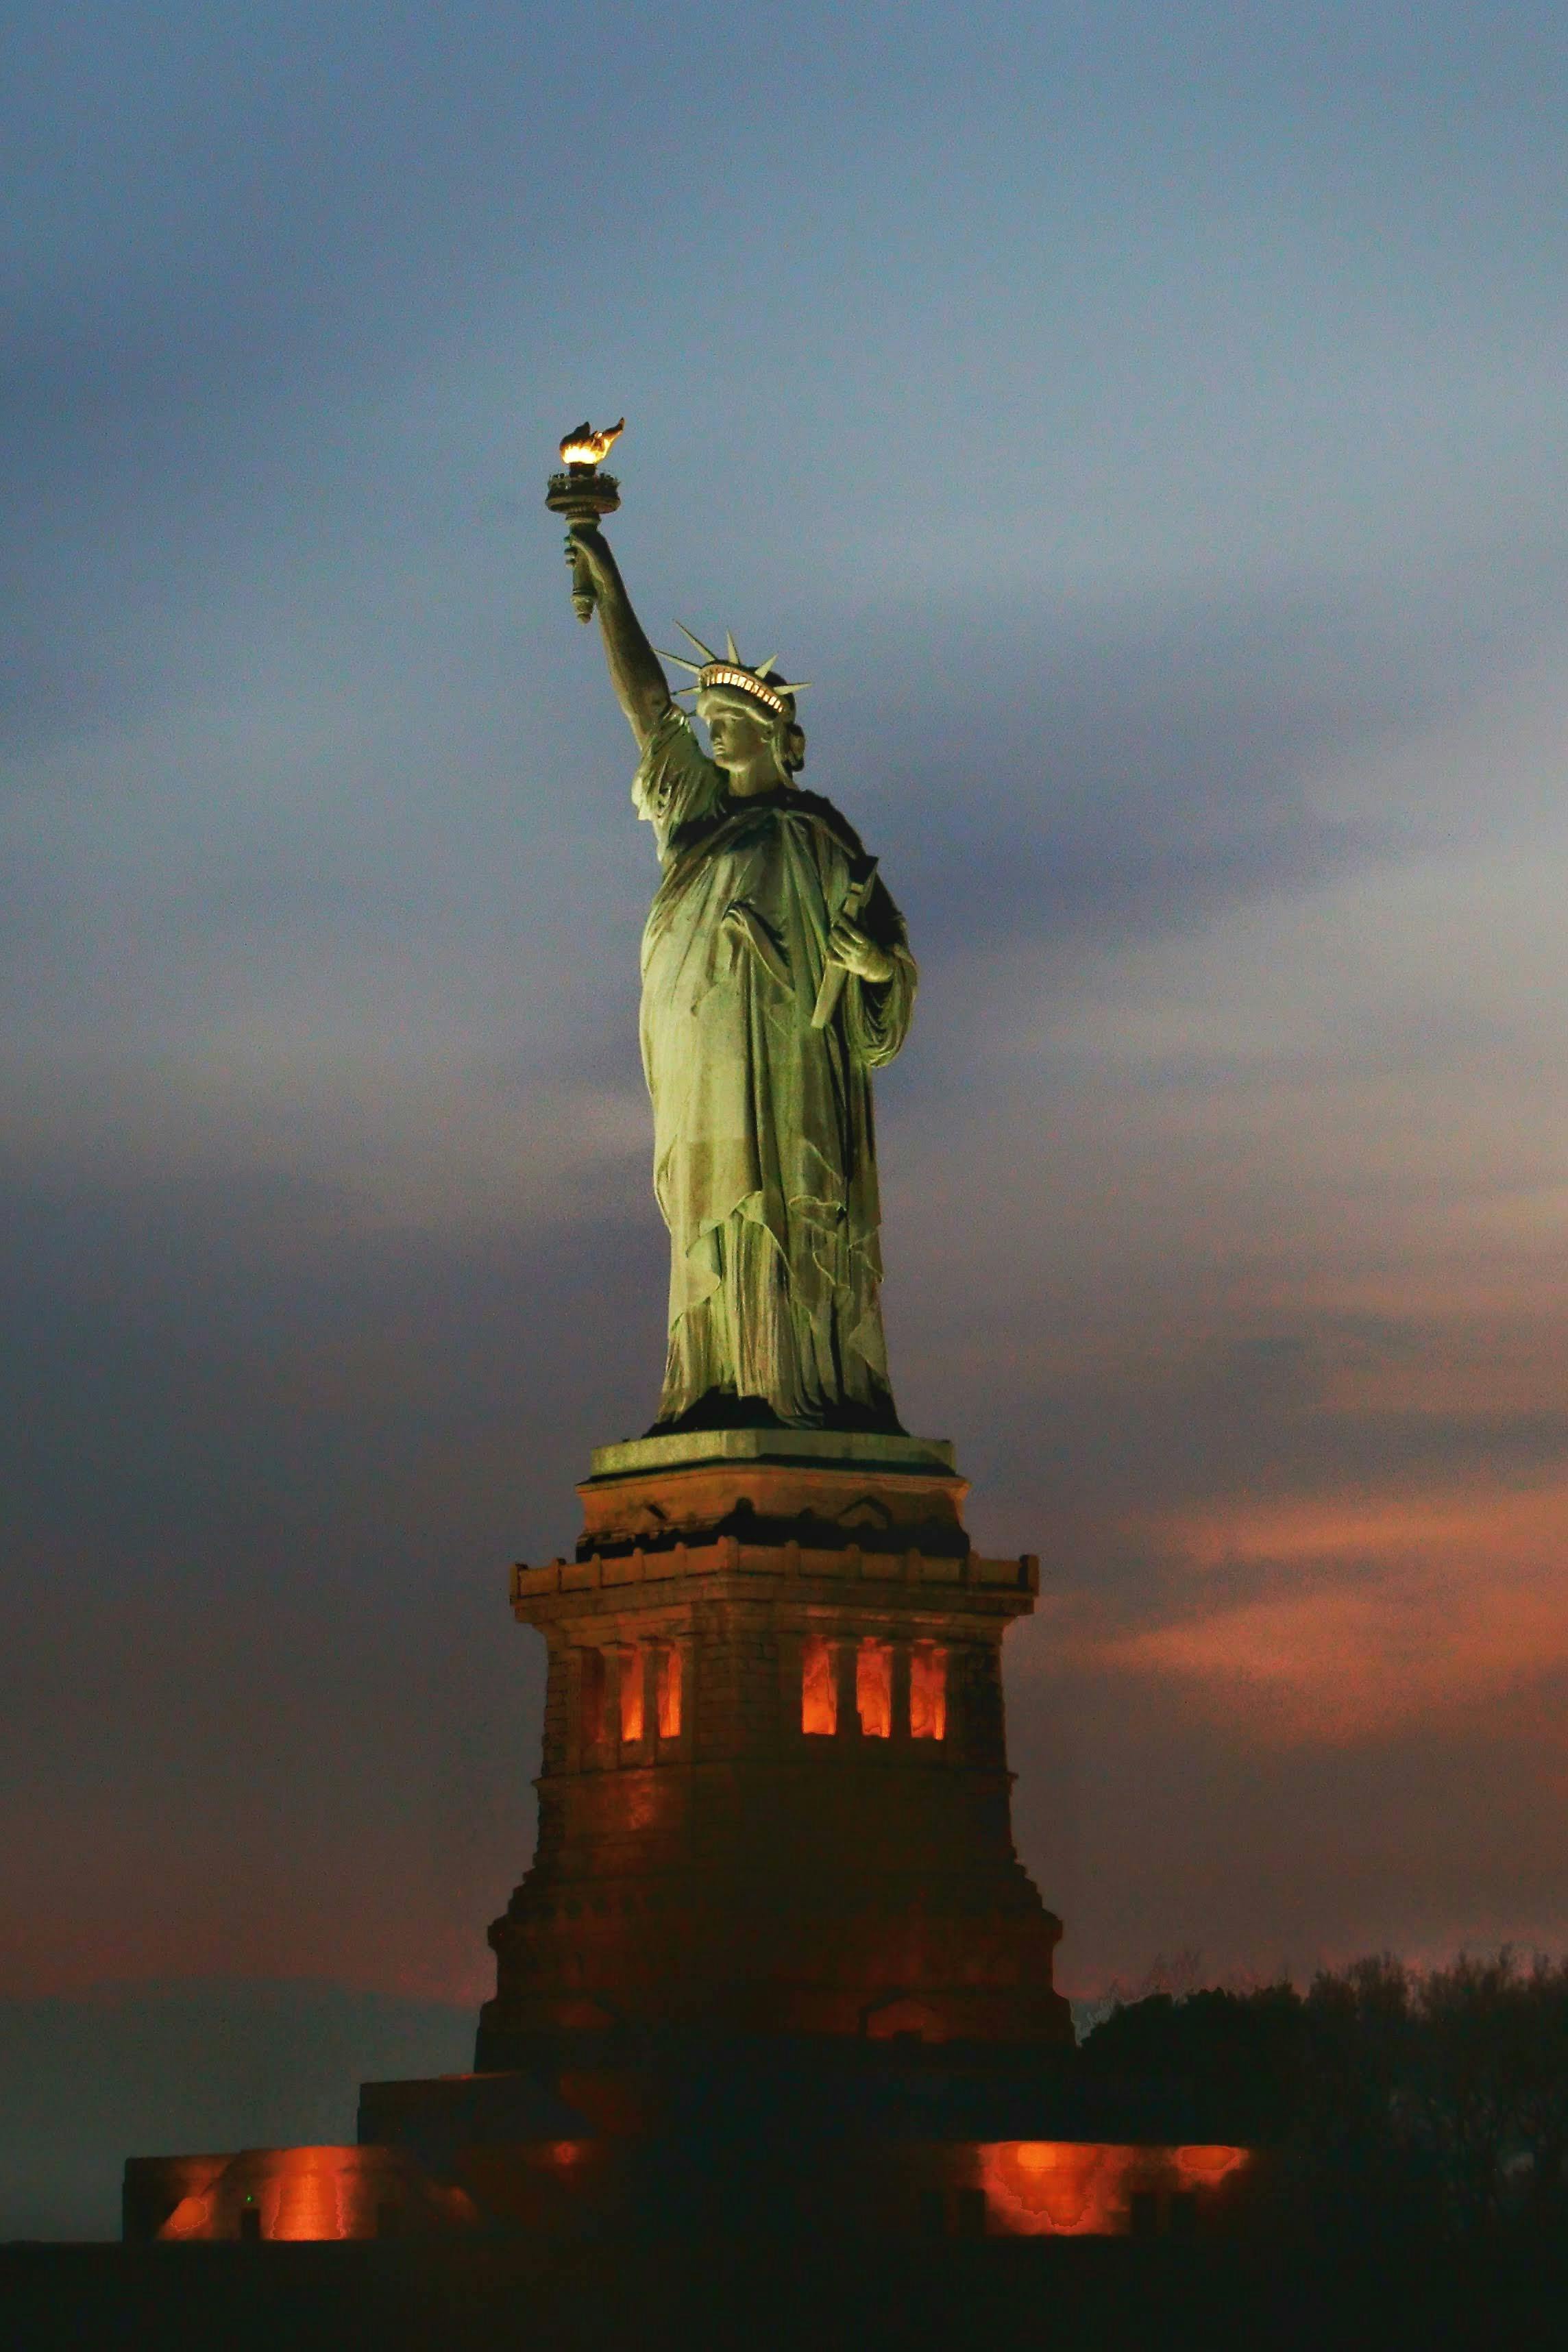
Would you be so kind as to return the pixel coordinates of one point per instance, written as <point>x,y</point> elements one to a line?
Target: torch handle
<point>585,595</point>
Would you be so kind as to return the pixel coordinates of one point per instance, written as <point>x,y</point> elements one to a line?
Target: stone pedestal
<point>774,1794</point>
<point>777,1974</point>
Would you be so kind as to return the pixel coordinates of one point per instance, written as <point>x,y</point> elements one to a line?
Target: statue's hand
<point>587,540</point>
<point>848,945</point>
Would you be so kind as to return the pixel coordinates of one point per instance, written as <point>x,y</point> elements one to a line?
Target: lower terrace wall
<point>553,2189</point>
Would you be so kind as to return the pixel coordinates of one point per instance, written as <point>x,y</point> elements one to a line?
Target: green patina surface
<point>776,976</point>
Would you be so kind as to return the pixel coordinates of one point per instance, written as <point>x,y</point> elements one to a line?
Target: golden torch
<point>581,494</point>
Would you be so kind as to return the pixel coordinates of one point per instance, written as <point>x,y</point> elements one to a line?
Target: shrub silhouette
<point>1393,2095</point>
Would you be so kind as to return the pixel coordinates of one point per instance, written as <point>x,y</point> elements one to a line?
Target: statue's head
<point>740,728</point>
<point>748,712</point>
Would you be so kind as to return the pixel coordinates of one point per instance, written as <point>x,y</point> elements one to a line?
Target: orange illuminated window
<point>668,1688</point>
<point>818,1686</point>
<point>593,1707</point>
<point>874,1688</point>
<point>631,1693</point>
<point>928,1692</point>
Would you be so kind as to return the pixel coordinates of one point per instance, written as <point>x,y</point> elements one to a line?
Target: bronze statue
<point>776,976</point>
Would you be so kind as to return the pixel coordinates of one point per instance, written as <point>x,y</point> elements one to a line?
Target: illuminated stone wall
<point>556,2188</point>
<point>280,2194</point>
<point>1082,2188</point>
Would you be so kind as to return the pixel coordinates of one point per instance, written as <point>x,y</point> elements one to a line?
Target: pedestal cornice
<point>831,1448</point>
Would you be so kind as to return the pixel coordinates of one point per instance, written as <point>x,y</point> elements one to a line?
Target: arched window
<point>874,1689</point>
<point>668,1687</point>
<point>631,1692</point>
<point>818,1688</point>
<point>928,1691</point>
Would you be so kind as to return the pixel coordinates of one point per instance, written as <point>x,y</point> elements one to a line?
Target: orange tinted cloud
<point>1391,1610</point>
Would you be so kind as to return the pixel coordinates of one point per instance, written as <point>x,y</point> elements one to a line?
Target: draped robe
<point>764,1149</point>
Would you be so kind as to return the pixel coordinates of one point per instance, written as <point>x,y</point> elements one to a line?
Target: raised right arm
<point>635,672</point>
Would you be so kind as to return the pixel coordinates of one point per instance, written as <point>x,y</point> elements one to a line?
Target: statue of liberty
<point>776,976</point>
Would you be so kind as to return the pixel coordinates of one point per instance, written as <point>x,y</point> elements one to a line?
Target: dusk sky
<point>1145,425</point>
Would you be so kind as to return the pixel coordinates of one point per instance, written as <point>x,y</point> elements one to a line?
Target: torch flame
<point>586,446</point>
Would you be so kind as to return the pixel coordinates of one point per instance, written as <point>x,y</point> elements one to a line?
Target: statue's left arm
<point>879,999</point>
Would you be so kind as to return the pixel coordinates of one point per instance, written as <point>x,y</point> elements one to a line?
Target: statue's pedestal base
<point>777,1966</point>
<point>774,1794</point>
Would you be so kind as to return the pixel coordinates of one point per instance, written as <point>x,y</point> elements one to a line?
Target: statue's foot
<point>877,1414</point>
<point>723,1409</point>
<point>720,1408</point>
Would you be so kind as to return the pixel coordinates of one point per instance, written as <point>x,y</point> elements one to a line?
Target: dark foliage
<point>1393,2097</point>
<point>1235,2061</point>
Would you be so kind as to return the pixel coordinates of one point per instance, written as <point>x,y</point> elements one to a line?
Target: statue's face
<point>741,738</point>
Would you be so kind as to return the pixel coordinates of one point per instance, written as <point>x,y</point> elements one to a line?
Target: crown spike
<point>732,650</point>
<point>695,668</point>
<point>706,651</point>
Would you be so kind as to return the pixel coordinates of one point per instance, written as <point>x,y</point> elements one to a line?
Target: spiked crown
<point>764,684</point>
